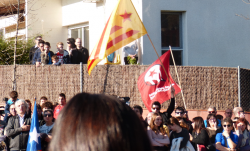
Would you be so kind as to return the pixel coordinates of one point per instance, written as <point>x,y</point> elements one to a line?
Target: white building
<point>201,33</point>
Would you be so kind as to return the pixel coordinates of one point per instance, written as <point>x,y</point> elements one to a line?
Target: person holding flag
<point>18,127</point>
<point>34,142</point>
<point>157,86</point>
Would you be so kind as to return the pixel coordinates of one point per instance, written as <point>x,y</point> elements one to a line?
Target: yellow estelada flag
<point>123,27</point>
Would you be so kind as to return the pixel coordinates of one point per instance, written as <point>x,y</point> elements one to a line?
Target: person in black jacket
<point>34,48</point>
<point>156,107</point>
<point>18,127</point>
<point>199,135</point>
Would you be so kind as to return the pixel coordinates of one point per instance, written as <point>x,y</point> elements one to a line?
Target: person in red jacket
<point>61,104</point>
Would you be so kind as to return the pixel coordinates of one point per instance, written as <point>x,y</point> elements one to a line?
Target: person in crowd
<point>61,104</point>
<point>12,112</point>
<point>138,110</point>
<point>40,115</point>
<point>179,112</point>
<point>212,129</point>
<point>148,118</point>
<point>219,117</point>
<point>156,107</point>
<point>46,129</point>
<point>212,110</point>
<point>103,123</point>
<point>182,123</point>
<point>18,127</point>
<point>71,48</point>
<point>238,112</point>
<point>199,137</point>
<point>62,54</point>
<point>34,48</point>
<point>55,60</point>
<point>37,55</point>
<point>13,98</point>
<point>243,134</point>
<point>43,99</point>
<point>29,108</point>
<point>179,136</point>
<point>226,140</point>
<point>83,53</point>
<point>130,50</point>
<point>47,54</point>
<point>228,113</point>
<point>157,134</point>
<point>47,105</point>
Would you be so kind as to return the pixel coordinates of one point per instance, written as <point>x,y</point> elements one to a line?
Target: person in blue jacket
<point>13,97</point>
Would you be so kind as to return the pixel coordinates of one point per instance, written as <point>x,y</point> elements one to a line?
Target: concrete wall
<point>45,17</point>
<point>212,34</point>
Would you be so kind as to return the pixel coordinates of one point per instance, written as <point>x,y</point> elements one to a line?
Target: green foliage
<point>7,51</point>
<point>131,61</point>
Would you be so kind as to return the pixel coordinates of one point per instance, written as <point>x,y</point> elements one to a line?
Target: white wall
<point>212,34</point>
<point>6,21</point>
<point>46,20</point>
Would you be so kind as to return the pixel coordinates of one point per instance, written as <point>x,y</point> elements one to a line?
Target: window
<point>80,32</point>
<point>171,35</point>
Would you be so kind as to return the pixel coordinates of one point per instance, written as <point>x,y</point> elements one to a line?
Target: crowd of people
<point>101,122</point>
<point>40,54</point>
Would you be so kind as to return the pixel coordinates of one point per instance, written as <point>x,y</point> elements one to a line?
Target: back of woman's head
<point>173,121</point>
<point>182,123</point>
<point>92,122</point>
<point>198,123</point>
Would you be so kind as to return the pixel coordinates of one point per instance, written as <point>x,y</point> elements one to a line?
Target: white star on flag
<point>34,135</point>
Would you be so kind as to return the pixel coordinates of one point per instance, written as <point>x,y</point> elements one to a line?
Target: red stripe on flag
<point>121,37</point>
<point>101,39</point>
<point>114,29</point>
<point>92,61</point>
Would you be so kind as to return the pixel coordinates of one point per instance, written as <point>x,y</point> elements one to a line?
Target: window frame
<point>180,48</point>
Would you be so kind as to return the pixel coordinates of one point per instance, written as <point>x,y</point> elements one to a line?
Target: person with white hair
<point>18,127</point>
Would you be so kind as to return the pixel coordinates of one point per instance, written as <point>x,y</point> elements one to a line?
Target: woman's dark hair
<point>72,42</point>
<point>91,122</point>
<point>198,124</point>
<point>173,121</point>
<point>139,108</point>
<point>47,105</point>
<point>208,117</point>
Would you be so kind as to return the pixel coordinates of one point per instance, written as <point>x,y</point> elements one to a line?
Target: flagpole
<point>159,59</point>
<point>177,77</point>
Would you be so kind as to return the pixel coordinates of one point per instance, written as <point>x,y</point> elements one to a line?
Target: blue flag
<point>34,142</point>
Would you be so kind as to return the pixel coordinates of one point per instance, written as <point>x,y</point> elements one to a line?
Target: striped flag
<point>123,26</point>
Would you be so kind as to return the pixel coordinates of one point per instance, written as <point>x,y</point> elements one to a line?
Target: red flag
<point>154,85</point>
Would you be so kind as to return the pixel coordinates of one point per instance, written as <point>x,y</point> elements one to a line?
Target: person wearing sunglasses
<point>226,140</point>
<point>212,110</point>
<point>238,112</point>
<point>156,107</point>
<point>179,113</point>
<point>46,129</point>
